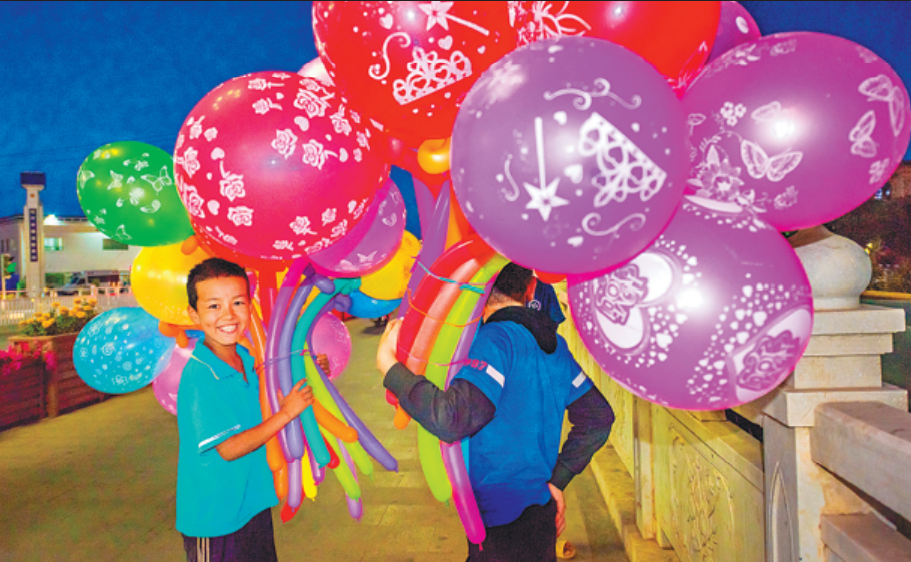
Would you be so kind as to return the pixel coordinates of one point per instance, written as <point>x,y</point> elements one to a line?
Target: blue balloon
<point>121,350</point>
<point>363,306</point>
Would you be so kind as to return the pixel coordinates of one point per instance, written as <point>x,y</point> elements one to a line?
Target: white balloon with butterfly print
<point>796,128</point>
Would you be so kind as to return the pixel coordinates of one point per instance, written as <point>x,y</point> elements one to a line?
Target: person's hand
<point>561,508</point>
<point>385,353</point>
<point>323,362</point>
<point>297,400</point>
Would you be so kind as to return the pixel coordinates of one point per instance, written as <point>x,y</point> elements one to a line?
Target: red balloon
<point>409,64</point>
<point>676,37</point>
<point>274,166</point>
<point>550,278</point>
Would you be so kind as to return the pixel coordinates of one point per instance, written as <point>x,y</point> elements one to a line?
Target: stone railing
<point>815,471</point>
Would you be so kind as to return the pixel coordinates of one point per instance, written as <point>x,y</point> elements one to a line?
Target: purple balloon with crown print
<point>797,128</point>
<point>714,314</point>
<point>569,155</point>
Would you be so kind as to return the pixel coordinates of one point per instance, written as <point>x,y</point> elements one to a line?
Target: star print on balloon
<point>568,167</point>
<point>273,165</point>
<point>409,64</point>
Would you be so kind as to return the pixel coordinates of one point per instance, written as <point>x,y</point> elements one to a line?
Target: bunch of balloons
<point>647,152</point>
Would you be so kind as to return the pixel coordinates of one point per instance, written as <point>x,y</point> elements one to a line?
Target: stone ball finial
<point>838,268</point>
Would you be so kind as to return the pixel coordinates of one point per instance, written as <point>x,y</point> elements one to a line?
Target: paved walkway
<point>98,484</point>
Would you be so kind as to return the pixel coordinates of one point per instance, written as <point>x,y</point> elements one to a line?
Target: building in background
<point>49,250</point>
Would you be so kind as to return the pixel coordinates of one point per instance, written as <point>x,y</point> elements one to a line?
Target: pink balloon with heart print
<point>566,166</point>
<point>274,165</point>
<point>167,382</point>
<point>796,128</point>
<point>735,26</point>
<point>714,314</point>
<point>331,336</point>
<point>378,239</point>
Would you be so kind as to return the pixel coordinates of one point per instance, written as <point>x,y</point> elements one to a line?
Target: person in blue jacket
<point>509,398</point>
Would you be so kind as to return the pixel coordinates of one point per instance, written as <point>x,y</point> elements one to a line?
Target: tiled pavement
<point>98,485</point>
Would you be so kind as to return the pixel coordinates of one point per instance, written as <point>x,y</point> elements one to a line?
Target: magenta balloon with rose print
<point>568,166</point>
<point>714,314</point>
<point>378,237</point>
<point>274,165</point>
<point>796,128</point>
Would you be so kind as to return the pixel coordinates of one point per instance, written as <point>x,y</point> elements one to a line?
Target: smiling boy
<point>224,485</point>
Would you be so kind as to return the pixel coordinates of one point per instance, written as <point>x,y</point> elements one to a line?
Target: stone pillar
<point>32,257</point>
<point>841,364</point>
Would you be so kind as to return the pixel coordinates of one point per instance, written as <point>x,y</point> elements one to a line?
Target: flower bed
<point>49,338</point>
<point>22,389</point>
<point>64,388</point>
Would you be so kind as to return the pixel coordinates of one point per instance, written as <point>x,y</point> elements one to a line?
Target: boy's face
<point>222,309</point>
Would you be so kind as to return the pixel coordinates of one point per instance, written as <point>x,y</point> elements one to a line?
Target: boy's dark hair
<point>511,282</point>
<point>212,268</point>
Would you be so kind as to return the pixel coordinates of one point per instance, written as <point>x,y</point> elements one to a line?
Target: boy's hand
<point>385,353</point>
<point>557,493</point>
<point>297,400</point>
<point>323,362</point>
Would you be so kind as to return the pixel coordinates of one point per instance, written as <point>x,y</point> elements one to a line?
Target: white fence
<point>14,310</point>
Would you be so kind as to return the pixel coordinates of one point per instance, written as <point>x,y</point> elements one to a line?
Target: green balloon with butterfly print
<point>127,190</point>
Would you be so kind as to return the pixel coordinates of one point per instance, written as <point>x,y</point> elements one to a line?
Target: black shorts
<point>530,538</point>
<point>254,542</point>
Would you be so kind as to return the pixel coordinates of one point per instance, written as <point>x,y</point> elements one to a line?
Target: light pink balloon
<point>316,69</point>
<point>331,336</point>
<point>714,314</point>
<point>165,385</point>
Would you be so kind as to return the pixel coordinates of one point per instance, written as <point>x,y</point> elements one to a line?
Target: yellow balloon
<point>159,278</point>
<point>391,281</point>
<point>433,155</point>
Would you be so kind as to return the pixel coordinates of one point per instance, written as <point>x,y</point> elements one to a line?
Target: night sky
<point>77,75</point>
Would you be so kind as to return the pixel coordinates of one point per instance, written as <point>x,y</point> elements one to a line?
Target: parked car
<point>86,281</point>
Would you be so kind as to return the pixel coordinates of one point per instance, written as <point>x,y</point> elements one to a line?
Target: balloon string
<point>429,317</point>
<point>474,287</point>
<point>460,362</point>
<point>282,357</point>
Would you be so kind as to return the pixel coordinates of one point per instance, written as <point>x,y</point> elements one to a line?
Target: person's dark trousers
<point>530,538</point>
<point>254,542</point>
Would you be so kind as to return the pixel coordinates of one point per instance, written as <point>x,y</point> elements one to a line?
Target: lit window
<point>109,244</point>
<point>53,244</point>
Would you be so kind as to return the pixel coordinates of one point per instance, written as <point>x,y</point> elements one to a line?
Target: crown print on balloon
<point>623,168</point>
<point>429,73</point>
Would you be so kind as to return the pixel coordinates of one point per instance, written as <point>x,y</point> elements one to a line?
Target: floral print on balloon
<point>274,165</point>
<point>792,151</point>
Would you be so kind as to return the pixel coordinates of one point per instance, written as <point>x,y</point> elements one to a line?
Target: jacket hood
<point>541,326</point>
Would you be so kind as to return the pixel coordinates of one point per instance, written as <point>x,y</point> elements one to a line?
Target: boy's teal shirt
<point>216,497</point>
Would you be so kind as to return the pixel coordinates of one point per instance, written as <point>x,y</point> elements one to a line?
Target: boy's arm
<point>591,417</point>
<point>248,441</point>
<point>450,415</point>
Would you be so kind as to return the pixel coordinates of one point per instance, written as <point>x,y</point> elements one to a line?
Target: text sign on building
<point>33,234</point>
